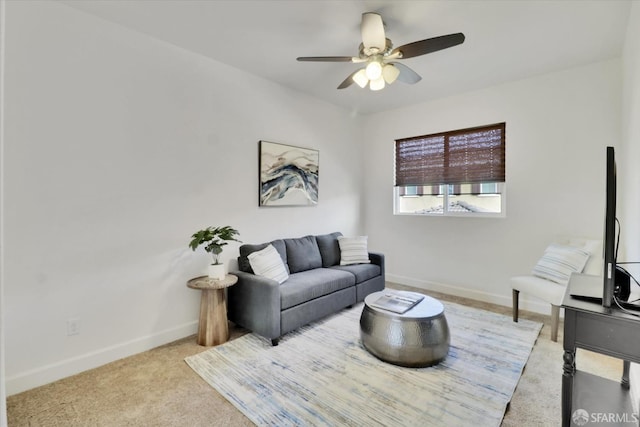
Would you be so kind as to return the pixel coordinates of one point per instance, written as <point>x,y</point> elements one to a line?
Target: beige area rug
<point>322,375</point>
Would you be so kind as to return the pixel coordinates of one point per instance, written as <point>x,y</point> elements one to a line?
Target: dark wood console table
<point>611,332</point>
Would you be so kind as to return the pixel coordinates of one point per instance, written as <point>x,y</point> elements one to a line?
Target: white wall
<point>629,173</point>
<point>117,148</point>
<point>557,127</point>
<point>3,392</point>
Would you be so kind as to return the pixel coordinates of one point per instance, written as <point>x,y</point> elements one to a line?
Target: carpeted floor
<point>157,388</point>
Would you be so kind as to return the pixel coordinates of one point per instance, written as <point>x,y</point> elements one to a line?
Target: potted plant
<point>214,238</point>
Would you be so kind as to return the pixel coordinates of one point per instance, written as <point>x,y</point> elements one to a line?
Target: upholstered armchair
<point>549,278</point>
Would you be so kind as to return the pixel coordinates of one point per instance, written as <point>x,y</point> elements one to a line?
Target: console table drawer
<point>608,335</point>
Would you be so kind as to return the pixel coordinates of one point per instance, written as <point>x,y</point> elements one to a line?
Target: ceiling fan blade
<point>407,75</point>
<point>325,58</point>
<point>348,81</point>
<point>434,44</point>
<point>372,30</point>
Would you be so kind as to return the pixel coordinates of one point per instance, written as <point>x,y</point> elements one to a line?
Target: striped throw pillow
<point>558,262</point>
<point>267,263</point>
<point>353,250</point>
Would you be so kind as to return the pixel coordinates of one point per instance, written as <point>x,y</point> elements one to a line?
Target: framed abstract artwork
<point>288,175</point>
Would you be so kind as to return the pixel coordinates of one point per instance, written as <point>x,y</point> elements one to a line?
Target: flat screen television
<point>609,241</point>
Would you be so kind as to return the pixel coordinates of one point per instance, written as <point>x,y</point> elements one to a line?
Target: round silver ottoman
<point>417,338</point>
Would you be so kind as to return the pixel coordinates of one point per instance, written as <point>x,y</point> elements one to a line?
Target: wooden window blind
<point>464,156</point>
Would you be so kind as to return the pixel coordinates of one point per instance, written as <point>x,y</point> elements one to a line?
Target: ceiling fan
<point>376,51</point>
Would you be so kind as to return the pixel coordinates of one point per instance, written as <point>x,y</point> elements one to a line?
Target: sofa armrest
<point>254,303</point>
<point>377,258</point>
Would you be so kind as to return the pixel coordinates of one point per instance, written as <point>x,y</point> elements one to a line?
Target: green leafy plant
<point>214,238</point>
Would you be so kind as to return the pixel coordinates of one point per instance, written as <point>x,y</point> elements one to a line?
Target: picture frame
<point>288,175</point>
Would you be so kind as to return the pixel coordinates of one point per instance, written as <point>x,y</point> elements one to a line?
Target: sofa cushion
<point>303,254</point>
<point>267,263</point>
<point>353,250</point>
<point>246,249</point>
<point>308,285</point>
<point>329,248</point>
<point>363,272</point>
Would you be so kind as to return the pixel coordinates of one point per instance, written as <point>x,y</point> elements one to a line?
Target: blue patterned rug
<point>321,375</point>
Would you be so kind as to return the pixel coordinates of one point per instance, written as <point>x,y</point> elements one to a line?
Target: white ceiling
<point>506,40</point>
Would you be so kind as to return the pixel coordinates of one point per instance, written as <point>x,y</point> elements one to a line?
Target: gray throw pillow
<point>329,248</point>
<point>303,254</point>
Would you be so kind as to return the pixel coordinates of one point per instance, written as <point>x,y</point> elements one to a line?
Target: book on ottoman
<point>396,302</point>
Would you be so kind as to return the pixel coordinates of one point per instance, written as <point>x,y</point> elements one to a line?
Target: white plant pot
<point>217,271</point>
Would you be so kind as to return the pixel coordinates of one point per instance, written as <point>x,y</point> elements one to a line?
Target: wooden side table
<point>213,328</point>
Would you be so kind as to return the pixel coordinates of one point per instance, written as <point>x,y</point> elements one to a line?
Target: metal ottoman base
<point>417,338</point>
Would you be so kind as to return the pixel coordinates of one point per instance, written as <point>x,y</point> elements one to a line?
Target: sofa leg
<point>274,341</point>
<point>555,319</point>
<point>515,294</point>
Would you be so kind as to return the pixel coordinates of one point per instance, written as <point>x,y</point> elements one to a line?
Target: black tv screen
<point>609,241</point>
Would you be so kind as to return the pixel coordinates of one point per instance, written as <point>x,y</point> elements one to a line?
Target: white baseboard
<point>65,368</point>
<point>524,302</point>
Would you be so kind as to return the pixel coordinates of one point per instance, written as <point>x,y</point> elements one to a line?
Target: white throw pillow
<point>353,250</point>
<point>594,247</point>
<point>267,263</point>
<point>559,261</point>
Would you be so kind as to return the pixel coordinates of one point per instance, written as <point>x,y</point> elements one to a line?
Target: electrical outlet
<point>73,326</point>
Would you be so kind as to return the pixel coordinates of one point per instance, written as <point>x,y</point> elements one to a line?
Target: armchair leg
<point>555,318</point>
<point>275,341</point>
<point>515,294</point>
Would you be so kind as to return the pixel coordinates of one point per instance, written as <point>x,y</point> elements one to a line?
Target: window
<point>455,173</point>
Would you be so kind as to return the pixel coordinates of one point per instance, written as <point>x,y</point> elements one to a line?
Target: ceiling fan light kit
<point>390,73</point>
<point>373,69</point>
<point>361,79</point>
<point>376,84</point>
<point>377,52</point>
<point>375,75</point>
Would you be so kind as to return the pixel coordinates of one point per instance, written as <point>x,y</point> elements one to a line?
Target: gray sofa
<point>317,285</point>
